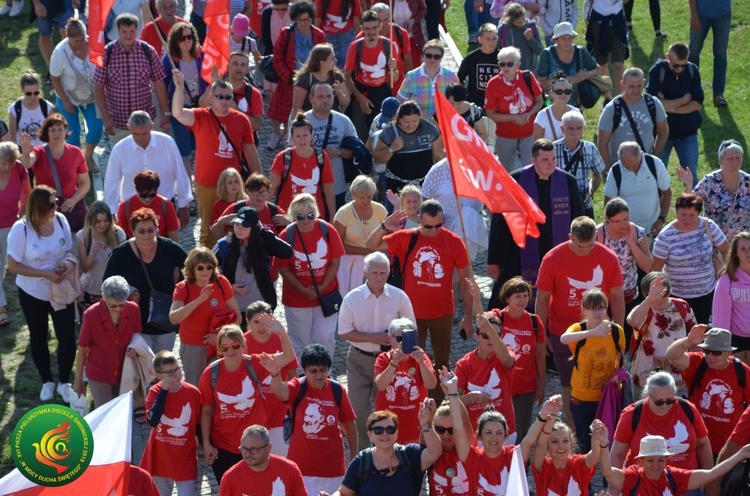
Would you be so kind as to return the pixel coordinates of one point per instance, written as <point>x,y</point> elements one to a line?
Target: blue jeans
<point>45,23</point>
<point>341,44</point>
<point>474,19</point>
<point>184,138</point>
<point>584,413</point>
<point>720,28</point>
<point>687,152</point>
<point>94,125</point>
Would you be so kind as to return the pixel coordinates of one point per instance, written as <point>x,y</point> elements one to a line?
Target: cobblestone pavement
<point>189,236</point>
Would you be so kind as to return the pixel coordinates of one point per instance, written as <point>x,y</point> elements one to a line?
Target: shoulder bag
<point>329,303</point>
<point>158,303</point>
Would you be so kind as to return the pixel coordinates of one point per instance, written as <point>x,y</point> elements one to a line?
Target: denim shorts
<point>45,23</point>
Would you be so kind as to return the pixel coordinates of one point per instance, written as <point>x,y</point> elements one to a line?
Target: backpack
<point>396,277</point>
<point>670,480</point>
<point>650,105</point>
<point>216,368</point>
<point>359,46</point>
<point>638,410</point>
<point>650,162</point>
<point>288,163</point>
<point>291,233</point>
<point>366,466</point>
<point>527,79</point>
<point>534,323</point>
<point>128,208</point>
<point>145,46</point>
<point>18,109</point>
<point>504,30</point>
<point>703,366</point>
<point>663,72</point>
<point>291,412</point>
<point>271,206</point>
<point>615,337</point>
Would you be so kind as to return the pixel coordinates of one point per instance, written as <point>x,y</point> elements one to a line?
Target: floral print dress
<point>662,328</point>
<point>731,211</point>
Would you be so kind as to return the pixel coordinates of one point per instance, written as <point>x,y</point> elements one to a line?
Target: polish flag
<point>517,483</point>
<point>98,13</point>
<point>110,463</point>
<point>216,47</point>
<point>478,174</point>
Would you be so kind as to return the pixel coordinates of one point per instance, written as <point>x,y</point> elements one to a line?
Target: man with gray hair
<point>364,317</point>
<point>157,30</point>
<point>580,158</point>
<point>147,149</point>
<point>643,182</point>
<point>264,472</point>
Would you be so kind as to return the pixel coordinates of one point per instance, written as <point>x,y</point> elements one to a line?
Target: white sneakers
<point>48,391</point>
<point>64,390</point>
<point>16,9</point>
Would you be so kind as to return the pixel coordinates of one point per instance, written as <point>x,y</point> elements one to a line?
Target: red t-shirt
<point>492,378</point>
<point>333,23</point>
<point>304,176</point>
<point>428,274</point>
<point>567,276</point>
<point>404,394</point>
<point>68,167</point>
<point>512,98</point>
<point>218,207</point>
<point>275,408</point>
<point>196,326</point>
<point>316,444</point>
<point>657,487</point>
<point>575,475</point>
<point>150,35</point>
<point>489,476</point>
<point>257,13</point>
<point>718,398</point>
<point>167,221</point>
<point>282,476</point>
<point>373,66</point>
<point>10,195</point>
<point>256,103</point>
<point>404,47</point>
<point>321,252</point>
<point>449,476</point>
<point>237,403</point>
<point>264,216</point>
<point>213,152</point>
<point>140,483</point>
<point>741,432</point>
<point>681,435</point>
<point>171,450</point>
<point>518,335</point>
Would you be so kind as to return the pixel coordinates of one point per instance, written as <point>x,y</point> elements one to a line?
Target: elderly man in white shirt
<point>364,317</point>
<point>147,149</point>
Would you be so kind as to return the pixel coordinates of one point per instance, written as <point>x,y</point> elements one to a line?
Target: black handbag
<point>267,69</point>
<point>330,303</point>
<point>158,304</point>
<point>588,94</point>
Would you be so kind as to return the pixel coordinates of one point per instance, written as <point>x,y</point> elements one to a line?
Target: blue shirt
<point>714,9</point>
<point>674,86</point>
<point>401,483</point>
<point>302,46</point>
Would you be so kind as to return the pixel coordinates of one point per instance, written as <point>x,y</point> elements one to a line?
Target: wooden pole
<point>390,39</point>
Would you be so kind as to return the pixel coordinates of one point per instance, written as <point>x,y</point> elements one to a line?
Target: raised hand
<point>552,406</point>
<point>270,363</point>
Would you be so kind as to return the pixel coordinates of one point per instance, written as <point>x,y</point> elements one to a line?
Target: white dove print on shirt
<point>491,389</point>
<point>337,22</point>
<point>493,489</point>
<point>376,71</point>
<point>300,185</point>
<point>178,426</point>
<point>679,442</point>
<point>317,258</point>
<point>594,282</point>
<point>243,400</point>
<point>459,483</point>
<point>573,489</point>
<point>278,488</point>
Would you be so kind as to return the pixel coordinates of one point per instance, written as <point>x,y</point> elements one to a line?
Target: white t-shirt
<point>31,120</point>
<point>43,253</point>
<point>543,119</point>
<point>130,7</point>
<point>64,65</point>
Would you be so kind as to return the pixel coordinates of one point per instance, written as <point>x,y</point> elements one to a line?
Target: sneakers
<point>48,391</point>
<point>660,36</point>
<point>5,10</point>
<point>64,390</point>
<point>273,142</point>
<point>17,8</point>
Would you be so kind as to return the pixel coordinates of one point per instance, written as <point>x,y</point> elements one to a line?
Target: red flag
<point>98,13</point>
<point>477,174</point>
<point>216,47</point>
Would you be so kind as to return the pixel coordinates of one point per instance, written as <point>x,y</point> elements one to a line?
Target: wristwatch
<point>391,150</point>
<point>662,218</point>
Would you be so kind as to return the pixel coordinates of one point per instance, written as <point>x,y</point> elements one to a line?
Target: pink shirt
<point>731,309</point>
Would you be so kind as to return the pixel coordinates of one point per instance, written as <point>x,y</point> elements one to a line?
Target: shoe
<point>5,10</point>
<point>93,166</point>
<point>273,142</point>
<point>64,390</point>
<point>720,101</point>
<point>17,8</point>
<point>48,391</point>
<point>661,36</point>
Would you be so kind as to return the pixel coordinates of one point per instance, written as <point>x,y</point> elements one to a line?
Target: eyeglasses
<point>435,56</point>
<point>260,192</point>
<point>172,372</point>
<point>29,93</point>
<point>186,37</point>
<point>378,430</point>
<point>146,231</point>
<point>323,370</point>
<point>222,97</point>
<point>201,268</point>
<point>306,20</point>
<point>506,64</point>
<point>252,451</point>
<point>225,347</point>
<point>716,353</point>
<point>309,216</point>
<point>436,226</point>
<point>562,92</point>
<point>668,401</point>
<point>147,195</point>
<point>443,430</point>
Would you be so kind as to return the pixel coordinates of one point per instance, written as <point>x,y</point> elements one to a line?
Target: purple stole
<point>561,218</point>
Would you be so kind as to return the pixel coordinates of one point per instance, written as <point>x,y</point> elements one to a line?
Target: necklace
<point>387,467</point>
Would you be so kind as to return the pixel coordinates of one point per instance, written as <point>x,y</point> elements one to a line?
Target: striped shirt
<point>689,266</point>
<point>580,162</point>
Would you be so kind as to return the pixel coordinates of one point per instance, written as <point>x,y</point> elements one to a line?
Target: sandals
<point>139,413</point>
<point>720,101</point>
<point>4,318</point>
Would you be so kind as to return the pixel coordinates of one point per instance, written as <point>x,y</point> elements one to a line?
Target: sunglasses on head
<point>147,195</point>
<point>443,430</point>
<point>29,93</point>
<point>562,92</point>
<point>309,216</point>
<point>506,64</point>
<point>436,226</point>
<point>378,430</point>
<point>225,347</point>
<point>716,353</point>
<point>186,37</point>
<point>202,267</point>
<point>727,144</point>
<point>668,401</point>
<point>223,97</point>
<point>435,56</point>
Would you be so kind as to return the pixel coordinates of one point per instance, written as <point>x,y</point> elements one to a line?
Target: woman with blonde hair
<point>229,190</point>
<point>320,67</point>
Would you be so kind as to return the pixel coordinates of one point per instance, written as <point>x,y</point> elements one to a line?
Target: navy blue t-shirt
<point>401,483</point>
<point>676,86</point>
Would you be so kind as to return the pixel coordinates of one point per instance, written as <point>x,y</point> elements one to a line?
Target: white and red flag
<point>98,13</point>
<point>216,46</point>
<point>478,174</point>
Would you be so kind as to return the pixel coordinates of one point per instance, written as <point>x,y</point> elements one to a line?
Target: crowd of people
<point>356,224</point>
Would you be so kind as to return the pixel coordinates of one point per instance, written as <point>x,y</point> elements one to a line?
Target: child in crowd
<point>228,191</point>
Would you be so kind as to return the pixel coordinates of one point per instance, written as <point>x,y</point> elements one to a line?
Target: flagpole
<point>390,40</point>
<point>164,42</point>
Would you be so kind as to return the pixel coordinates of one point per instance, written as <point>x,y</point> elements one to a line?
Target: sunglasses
<point>436,226</point>
<point>679,66</point>
<point>223,97</point>
<point>716,353</point>
<point>146,231</point>
<point>147,195</point>
<point>506,64</point>
<point>562,92</point>
<point>29,93</point>
<point>378,430</point>
<point>443,430</point>
<point>225,347</point>
<point>309,216</point>
<point>201,268</point>
<point>727,144</point>
<point>435,56</point>
<point>171,373</point>
<point>668,401</point>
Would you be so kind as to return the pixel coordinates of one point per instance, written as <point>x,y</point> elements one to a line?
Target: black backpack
<point>703,367</point>
<point>291,412</point>
<point>621,107</point>
<point>216,368</point>
<point>650,163</point>
<point>359,46</point>
<point>396,277</point>
<point>615,337</point>
<point>670,480</point>
<point>638,410</point>
<point>18,109</point>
